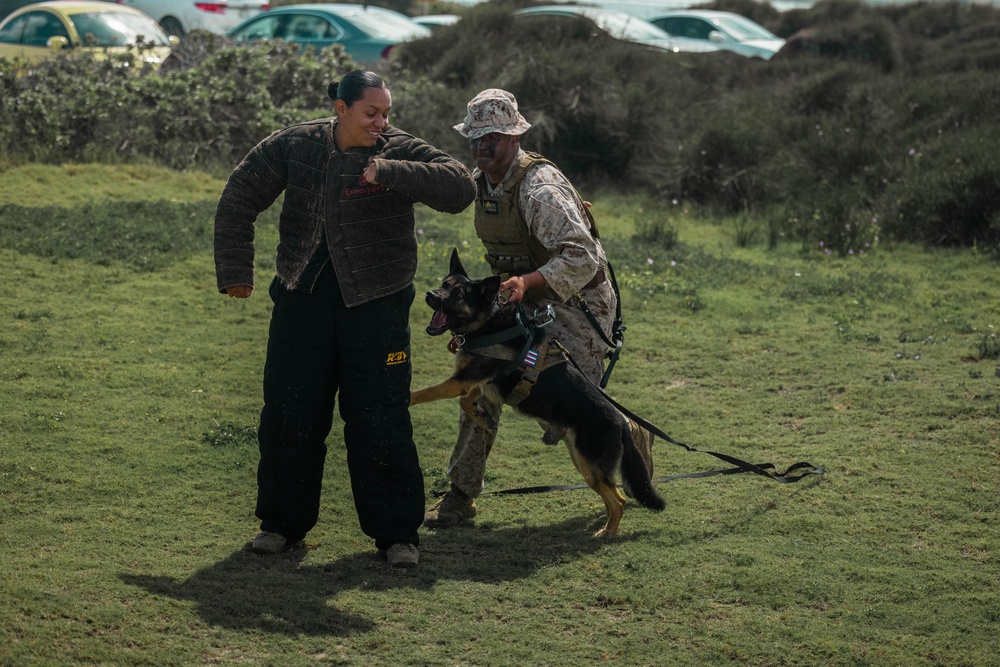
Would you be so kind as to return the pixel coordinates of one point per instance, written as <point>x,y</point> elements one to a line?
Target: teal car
<point>367,33</point>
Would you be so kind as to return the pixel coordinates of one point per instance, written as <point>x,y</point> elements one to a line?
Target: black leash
<point>764,469</point>
<point>573,487</point>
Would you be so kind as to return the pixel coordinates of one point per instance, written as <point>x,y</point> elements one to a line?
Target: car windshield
<point>387,26</point>
<point>627,27</point>
<point>114,29</point>
<point>743,30</point>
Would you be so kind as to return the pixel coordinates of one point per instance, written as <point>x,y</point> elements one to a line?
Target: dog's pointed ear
<point>456,265</point>
<point>489,287</point>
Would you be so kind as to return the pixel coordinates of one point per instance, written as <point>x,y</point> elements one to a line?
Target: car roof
<point>700,13</point>
<point>76,6</point>
<point>437,18</point>
<point>343,8</point>
<point>586,10</point>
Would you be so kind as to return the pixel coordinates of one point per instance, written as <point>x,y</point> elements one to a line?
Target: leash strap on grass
<point>572,487</point>
<point>764,469</point>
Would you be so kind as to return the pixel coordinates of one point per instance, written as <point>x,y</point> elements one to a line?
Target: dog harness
<point>530,361</point>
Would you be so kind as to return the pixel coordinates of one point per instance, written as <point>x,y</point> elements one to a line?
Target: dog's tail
<point>636,474</point>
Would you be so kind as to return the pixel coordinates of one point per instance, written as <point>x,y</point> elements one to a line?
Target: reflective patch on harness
<point>396,358</point>
<point>531,358</point>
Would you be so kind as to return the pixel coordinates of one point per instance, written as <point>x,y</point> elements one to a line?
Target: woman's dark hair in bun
<point>351,88</point>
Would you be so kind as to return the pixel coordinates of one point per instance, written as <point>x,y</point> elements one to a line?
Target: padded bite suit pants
<point>316,348</point>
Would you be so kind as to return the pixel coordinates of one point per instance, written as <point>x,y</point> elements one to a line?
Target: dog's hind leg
<point>614,502</point>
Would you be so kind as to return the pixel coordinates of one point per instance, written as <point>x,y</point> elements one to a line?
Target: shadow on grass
<point>282,594</point>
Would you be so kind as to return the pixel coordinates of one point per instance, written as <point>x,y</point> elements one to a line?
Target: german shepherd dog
<point>597,435</point>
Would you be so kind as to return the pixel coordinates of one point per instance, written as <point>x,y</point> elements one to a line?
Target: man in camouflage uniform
<point>540,239</point>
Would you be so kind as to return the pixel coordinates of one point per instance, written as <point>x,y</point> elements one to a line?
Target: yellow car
<point>37,32</point>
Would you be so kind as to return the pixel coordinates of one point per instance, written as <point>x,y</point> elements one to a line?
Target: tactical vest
<point>511,250</point>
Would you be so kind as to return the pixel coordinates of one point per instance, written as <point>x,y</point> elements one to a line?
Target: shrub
<point>838,225</point>
<point>723,167</point>
<point>869,40</point>
<point>657,229</point>
<point>949,194</point>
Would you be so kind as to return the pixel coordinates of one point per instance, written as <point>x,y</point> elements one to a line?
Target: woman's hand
<point>371,172</point>
<point>240,291</point>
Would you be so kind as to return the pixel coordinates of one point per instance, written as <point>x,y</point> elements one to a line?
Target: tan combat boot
<point>452,509</point>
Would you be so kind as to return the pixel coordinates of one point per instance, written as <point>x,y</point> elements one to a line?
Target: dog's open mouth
<point>439,323</point>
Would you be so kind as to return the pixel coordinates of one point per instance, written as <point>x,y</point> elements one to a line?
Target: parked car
<point>619,25</point>
<point>367,33</point>
<point>728,31</point>
<point>435,21</point>
<point>39,31</point>
<point>179,17</point>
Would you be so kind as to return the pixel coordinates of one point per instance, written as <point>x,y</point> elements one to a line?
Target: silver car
<point>179,17</point>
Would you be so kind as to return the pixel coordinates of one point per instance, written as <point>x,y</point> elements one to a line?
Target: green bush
<point>74,108</point>
<point>949,194</point>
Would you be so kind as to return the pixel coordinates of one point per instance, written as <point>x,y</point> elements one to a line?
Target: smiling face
<point>494,153</point>
<point>362,123</point>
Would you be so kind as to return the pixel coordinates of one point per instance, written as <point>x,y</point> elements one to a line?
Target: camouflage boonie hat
<point>493,110</point>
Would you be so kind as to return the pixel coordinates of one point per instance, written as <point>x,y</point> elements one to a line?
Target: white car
<point>620,25</point>
<point>179,17</point>
<point>726,30</point>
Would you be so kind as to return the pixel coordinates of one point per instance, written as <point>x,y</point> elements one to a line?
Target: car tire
<point>172,26</point>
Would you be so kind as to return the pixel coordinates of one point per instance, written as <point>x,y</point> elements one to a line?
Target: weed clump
<point>231,435</point>
<point>988,347</point>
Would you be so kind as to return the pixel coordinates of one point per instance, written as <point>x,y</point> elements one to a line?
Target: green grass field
<point>131,390</point>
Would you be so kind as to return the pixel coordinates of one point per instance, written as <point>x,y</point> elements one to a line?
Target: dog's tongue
<point>438,323</point>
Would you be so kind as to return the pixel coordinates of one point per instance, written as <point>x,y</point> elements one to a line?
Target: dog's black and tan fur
<point>597,435</point>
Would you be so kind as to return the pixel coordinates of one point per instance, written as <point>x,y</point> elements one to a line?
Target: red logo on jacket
<point>364,188</point>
